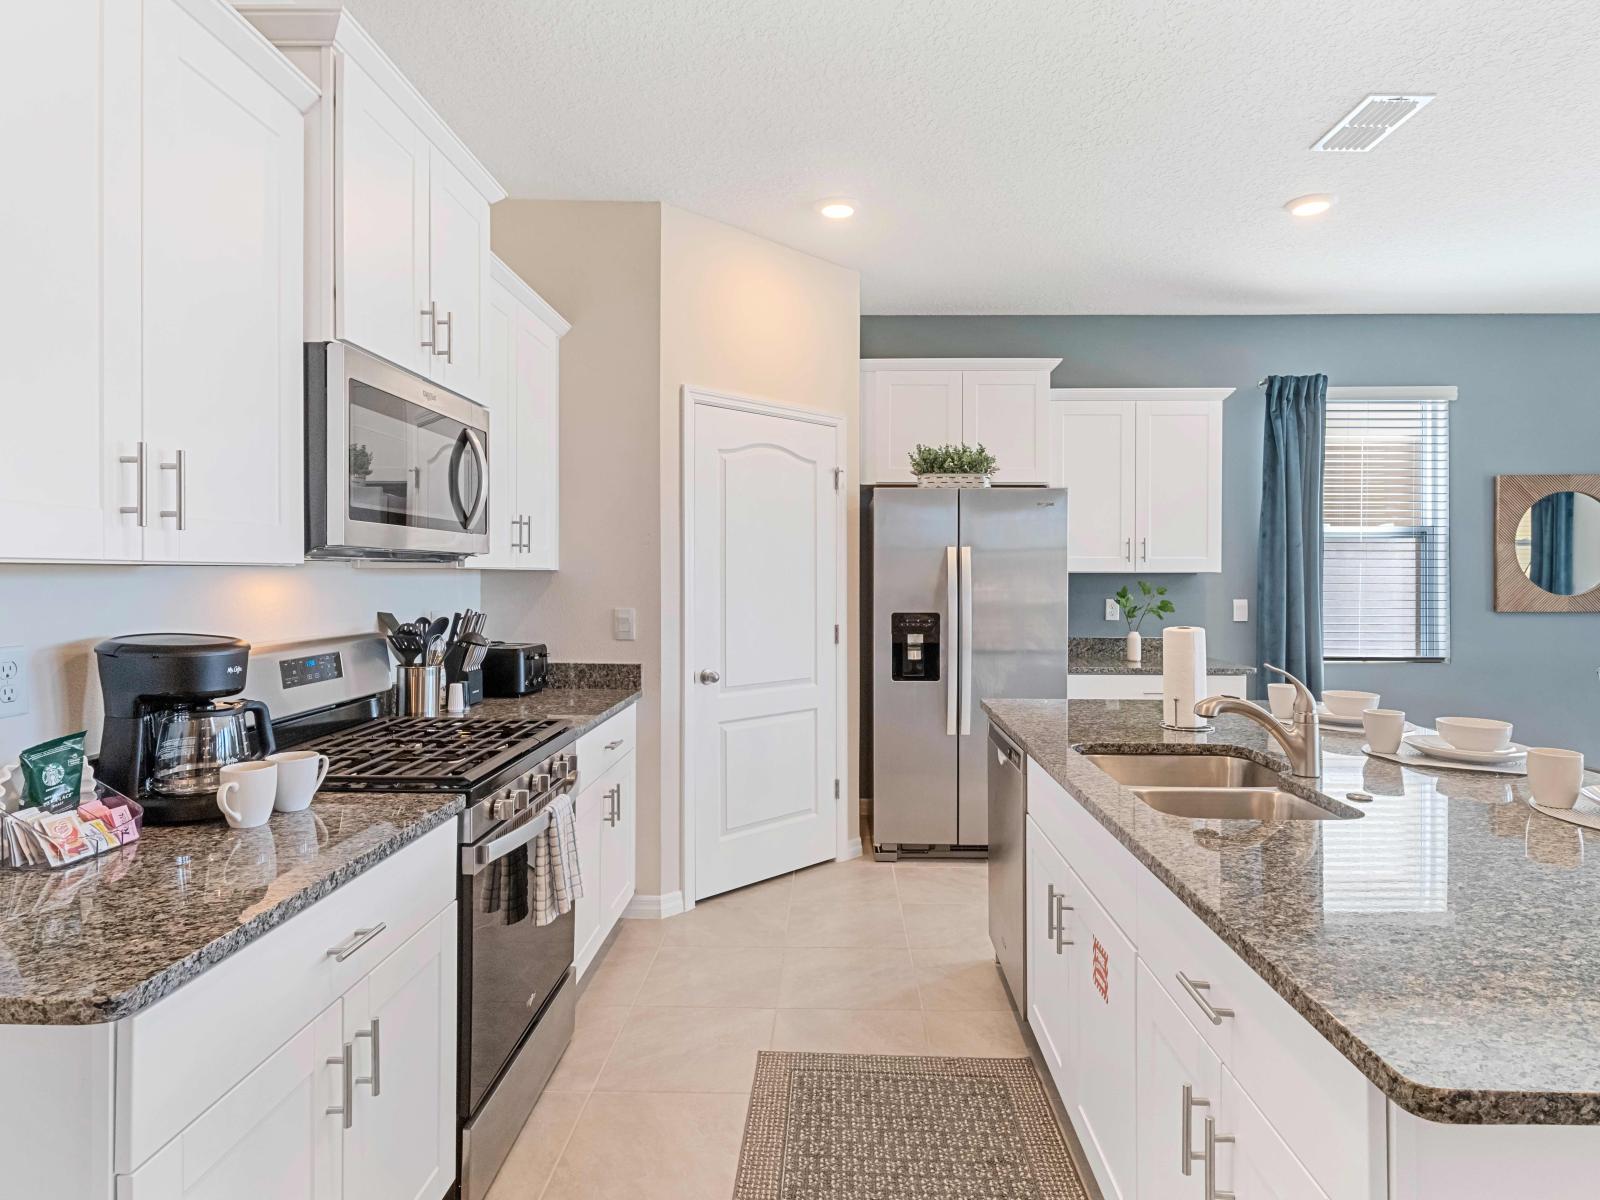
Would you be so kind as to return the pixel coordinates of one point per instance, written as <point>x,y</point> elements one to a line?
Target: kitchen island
<point>1437,939</point>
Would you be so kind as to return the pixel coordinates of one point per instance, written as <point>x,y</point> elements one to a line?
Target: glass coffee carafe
<point>190,744</point>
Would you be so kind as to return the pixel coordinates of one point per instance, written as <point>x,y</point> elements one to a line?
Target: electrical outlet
<point>623,621</point>
<point>1241,610</point>
<point>1112,611</point>
<point>13,682</point>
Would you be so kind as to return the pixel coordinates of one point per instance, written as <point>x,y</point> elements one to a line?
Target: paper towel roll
<point>1183,675</point>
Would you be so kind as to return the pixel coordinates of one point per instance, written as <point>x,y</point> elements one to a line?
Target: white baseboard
<point>851,850</point>
<point>653,908</point>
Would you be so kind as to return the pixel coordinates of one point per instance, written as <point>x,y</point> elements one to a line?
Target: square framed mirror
<point>1547,543</point>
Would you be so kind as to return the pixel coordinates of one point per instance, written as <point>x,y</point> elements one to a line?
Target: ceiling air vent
<point>1374,119</point>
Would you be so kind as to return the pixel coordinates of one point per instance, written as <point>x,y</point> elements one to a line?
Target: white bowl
<point>1474,733</point>
<point>1349,704</point>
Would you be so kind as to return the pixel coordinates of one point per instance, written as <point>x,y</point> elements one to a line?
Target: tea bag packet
<point>53,772</point>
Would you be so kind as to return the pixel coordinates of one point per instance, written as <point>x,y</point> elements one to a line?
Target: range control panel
<point>914,641</point>
<point>313,668</point>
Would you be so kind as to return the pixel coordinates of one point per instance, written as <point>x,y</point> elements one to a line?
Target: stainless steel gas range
<point>517,991</point>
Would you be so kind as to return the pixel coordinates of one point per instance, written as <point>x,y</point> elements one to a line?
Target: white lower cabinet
<point>617,842</point>
<point>1250,1159</point>
<point>271,1136</point>
<point>1049,968</point>
<point>586,935</point>
<point>1179,1082</point>
<point>607,817</point>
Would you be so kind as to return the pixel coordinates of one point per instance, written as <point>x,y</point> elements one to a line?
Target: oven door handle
<point>475,858</point>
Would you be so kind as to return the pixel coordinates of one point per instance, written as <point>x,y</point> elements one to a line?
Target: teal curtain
<point>1289,559</point>
<point>1550,564</point>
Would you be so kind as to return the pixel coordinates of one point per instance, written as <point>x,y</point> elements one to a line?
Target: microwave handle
<point>468,440</point>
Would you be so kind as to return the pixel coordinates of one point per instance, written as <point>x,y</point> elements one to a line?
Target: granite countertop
<point>1445,942</point>
<point>111,936</point>
<point>1104,656</point>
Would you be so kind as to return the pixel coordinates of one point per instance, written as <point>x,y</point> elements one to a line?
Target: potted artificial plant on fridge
<point>1150,602</point>
<point>952,466</point>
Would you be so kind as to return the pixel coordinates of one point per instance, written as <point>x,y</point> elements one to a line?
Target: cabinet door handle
<point>355,941</point>
<point>1194,987</point>
<point>1144,549</point>
<point>374,1080</point>
<point>1127,550</point>
<point>1050,910</point>
<point>180,464</point>
<point>449,351</point>
<point>1062,908</point>
<point>432,314</point>
<point>1213,1139</point>
<point>1190,1155</point>
<point>527,534</point>
<point>613,805</point>
<point>136,509</point>
<point>346,1108</point>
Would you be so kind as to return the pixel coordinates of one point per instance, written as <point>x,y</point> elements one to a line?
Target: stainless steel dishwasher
<point>1008,810</point>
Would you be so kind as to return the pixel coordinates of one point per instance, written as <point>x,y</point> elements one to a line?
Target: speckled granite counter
<point>585,707</point>
<point>1104,656</point>
<point>112,936</point>
<point>1446,942</point>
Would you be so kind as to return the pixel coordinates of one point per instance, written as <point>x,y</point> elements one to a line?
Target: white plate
<point>1328,717</point>
<point>1436,747</point>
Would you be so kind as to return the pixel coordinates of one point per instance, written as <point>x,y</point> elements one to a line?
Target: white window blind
<point>1386,524</point>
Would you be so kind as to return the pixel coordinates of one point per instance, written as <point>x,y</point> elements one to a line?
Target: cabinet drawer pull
<point>1213,1139</point>
<point>1190,1155</point>
<point>374,1080</point>
<point>1194,987</point>
<point>355,941</point>
<point>346,1108</point>
<point>613,745</point>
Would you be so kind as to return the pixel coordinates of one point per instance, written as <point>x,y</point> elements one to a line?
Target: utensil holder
<point>419,691</point>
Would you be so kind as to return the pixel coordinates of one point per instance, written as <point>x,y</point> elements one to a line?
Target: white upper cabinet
<point>163,317</point>
<point>1002,403</point>
<point>397,246</point>
<point>1144,468</point>
<point>522,373</point>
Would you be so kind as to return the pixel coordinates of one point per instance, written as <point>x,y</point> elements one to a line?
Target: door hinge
<point>835,789</point>
<point>835,635</point>
<point>838,474</point>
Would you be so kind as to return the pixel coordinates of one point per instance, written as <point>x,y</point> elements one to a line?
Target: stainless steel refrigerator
<point>968,596</point>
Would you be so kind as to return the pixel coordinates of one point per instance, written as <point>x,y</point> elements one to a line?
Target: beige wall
<point>744,315</point>
<point>659,298</point>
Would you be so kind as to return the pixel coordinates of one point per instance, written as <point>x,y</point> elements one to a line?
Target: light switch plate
<point>1112,611</point>
<point>623,621</point>
<point>1241,610</point>
<point>13,682</point>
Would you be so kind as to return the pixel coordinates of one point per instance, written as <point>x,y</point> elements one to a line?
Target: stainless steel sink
<point>1213,787</point>
<point>1185,770</point>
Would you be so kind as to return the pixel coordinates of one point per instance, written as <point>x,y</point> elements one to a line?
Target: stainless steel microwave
<point>397,467</point>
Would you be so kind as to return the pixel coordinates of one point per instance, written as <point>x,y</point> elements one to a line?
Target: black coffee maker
<point>168,730</point>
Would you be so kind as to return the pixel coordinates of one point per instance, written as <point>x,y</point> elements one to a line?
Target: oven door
<point>510,967</point>
<point>405,468</point>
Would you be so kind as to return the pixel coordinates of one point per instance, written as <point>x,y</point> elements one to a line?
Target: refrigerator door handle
<point>965,625</point>
<point>951,641</point>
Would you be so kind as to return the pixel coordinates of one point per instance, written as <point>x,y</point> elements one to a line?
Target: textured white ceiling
<point>1022,156</point>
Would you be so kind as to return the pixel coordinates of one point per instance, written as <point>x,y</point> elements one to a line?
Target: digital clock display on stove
<point>314,668</point>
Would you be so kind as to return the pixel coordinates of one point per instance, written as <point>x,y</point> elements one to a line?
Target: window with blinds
<point>1386,524</point>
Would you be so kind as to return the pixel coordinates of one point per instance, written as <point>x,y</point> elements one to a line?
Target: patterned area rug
<point>879,1127</point>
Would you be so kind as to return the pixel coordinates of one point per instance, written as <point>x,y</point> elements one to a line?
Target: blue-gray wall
<point>1529,402</point>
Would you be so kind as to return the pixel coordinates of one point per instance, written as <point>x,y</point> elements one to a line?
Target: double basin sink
<point>1214,787</point>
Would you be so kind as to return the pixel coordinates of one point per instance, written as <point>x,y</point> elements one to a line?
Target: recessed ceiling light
<point>1313,205</point>
<point>836,210</point>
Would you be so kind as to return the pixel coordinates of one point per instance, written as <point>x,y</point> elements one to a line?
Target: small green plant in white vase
<point>952,466</point>
<point>1150,602</point>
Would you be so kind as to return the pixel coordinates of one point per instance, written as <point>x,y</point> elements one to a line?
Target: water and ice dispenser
<point>914,638</point>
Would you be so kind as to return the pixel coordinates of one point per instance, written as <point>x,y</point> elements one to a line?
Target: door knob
<point>709,676</point>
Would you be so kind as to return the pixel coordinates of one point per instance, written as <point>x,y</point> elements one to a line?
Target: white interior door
<point>762,706</point>
<point>1092,456</point>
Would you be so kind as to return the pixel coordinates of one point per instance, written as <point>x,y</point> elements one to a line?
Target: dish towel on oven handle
<point>557,874</point>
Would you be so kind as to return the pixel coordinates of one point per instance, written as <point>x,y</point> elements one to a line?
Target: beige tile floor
<point>859,957</point>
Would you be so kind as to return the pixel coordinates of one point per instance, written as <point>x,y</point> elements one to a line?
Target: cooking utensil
<point>388,622</point>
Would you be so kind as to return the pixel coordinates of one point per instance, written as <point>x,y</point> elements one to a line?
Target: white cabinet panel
<point>909,408</point>
<point>271,1135</point>
<point>1179,1085</point>
<point>505,524</point>
<point>1092,455</point>
<point>1006,412</point>
<point>223,376</point>
<point>1253,1164</point>
<point>400,1023</point>
<point>589,809</point>
<point>381,235</point>
<point>1180,485</point>
<point>1103,993</point>
<point>458,273</point>
<point>1049,1001</point>
<point>70,248</point>
<point>618,840</point>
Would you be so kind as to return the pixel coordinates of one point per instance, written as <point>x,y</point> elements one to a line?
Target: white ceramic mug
<point>1280,698</point>
<point>1384,728</point>
<point>247,792</point>
<point>300,774</point>
<point>1555,776</point>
